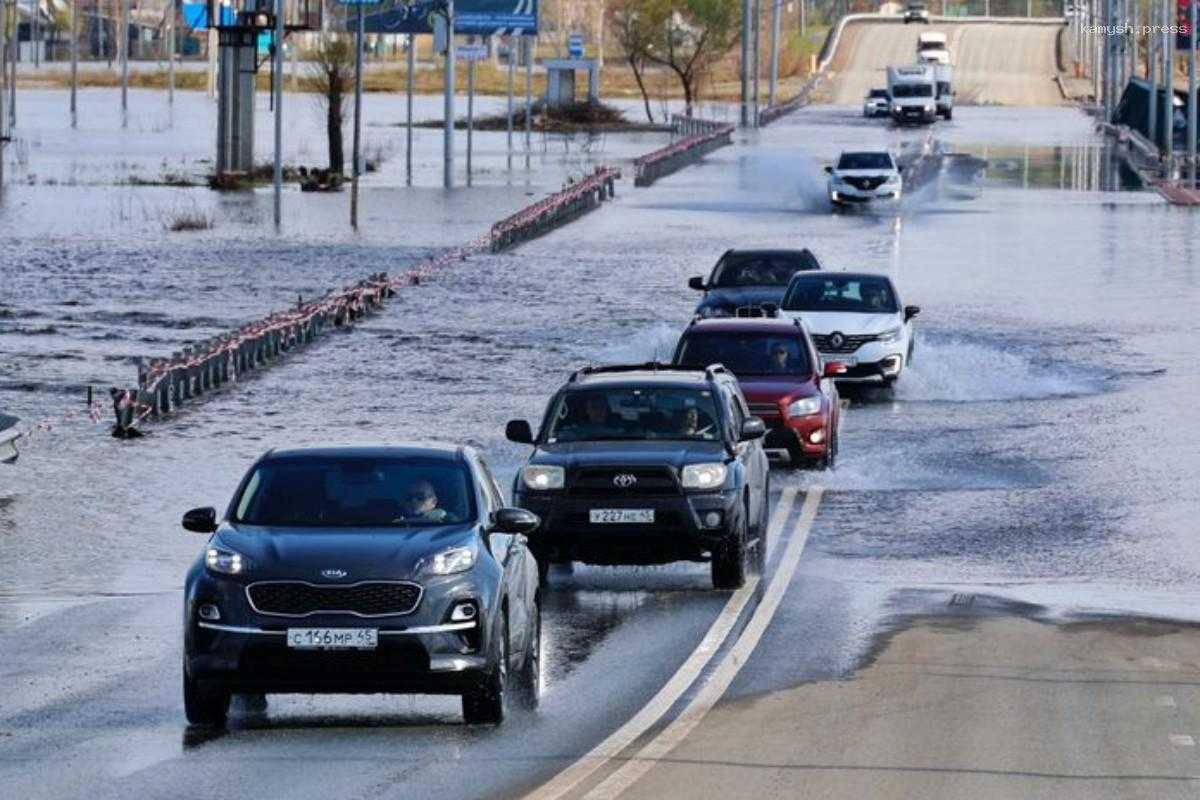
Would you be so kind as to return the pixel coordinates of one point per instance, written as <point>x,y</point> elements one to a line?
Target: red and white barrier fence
<point>557,209</point>
<point>700,137</point>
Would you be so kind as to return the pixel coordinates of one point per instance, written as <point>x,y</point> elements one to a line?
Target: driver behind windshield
<point>421,503</point>
<point>591,419</point>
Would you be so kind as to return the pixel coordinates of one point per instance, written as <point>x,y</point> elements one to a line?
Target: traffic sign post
<point>358,68</point>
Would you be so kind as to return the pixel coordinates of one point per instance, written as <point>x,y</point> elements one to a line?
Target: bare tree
<point>331,67</point>
<point>634,33</point>
<point>692,36</point>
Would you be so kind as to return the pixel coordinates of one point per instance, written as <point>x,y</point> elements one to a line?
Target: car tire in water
<point>527,690</point>
<point>729,559</point>
<point>204,704</point>
<point>485,703</point>
<point>760,549</point>
<point>543,566</point>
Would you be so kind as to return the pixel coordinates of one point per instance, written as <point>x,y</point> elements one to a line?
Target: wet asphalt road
<point>1033,455</point>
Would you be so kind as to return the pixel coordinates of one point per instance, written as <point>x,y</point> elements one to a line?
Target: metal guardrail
<point>555,210</point>
<point>700,137</point>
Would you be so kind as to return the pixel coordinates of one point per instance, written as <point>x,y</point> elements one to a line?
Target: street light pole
<point>745,63</point>
<point>74,62</point>
<point>1169,85</point>
<point>123,43</point>
<point>277,89</point>
<point>774,78</point>
<point>358,68</point>
<point>1191,122</point>
<point>448,102</point>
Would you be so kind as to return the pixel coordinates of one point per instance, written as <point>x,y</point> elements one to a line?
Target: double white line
<point>662,744</point>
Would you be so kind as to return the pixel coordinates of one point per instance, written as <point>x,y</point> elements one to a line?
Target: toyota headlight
<point>448,562</point>
<point>891,336</point>
<point>704,476</point>
<point>929,107</point>
<point>225,561</point>
<point>540,477</point>
<point>804,407</point>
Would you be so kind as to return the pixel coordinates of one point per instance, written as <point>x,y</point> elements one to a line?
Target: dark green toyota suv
<point>647,464</point>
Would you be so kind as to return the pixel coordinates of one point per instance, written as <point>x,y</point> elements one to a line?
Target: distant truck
<point>913,90</point>
<point>933,48</point>
<point>944,74</point>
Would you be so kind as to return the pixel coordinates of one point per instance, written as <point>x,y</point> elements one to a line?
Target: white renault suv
<point>855,318</point>
<point>864,177</point>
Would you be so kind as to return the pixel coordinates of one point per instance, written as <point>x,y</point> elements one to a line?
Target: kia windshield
<point>356,492</point>
<point>634,414</point>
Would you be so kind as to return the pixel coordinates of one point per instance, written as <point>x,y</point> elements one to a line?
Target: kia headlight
<point>891,336</point>
<point>448,562</point>
<point>541,477</point>
<point>704,476</point>
<point>804,407</point>
<point>225,561</point>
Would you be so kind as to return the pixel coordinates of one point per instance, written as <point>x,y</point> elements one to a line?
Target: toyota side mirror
<point>515,520</point>
<point>833,369</point>
<point>696,282</point>
<point>200,520</point>
<point>518,430</point>
<point>910,312</point>
<point>753,428</point>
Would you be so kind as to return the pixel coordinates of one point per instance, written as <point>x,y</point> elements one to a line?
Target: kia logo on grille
<point>334,573</point>
<point>625,480</point>
<point>836,339</point>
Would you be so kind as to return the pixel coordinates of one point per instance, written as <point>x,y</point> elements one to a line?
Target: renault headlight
<point>448,562</point>
<point>225,561</point>
<point>540,477</point>
<point>891,336</point>
<point>893,179</point>
<point>704,476</point>
<point>804,407</point>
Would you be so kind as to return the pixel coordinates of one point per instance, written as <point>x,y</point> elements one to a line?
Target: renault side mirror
<point>910,312</point>
<point>829,170</point>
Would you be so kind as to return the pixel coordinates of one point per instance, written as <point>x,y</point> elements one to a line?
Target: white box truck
<point>944,75</point>
<point>913,90</point>
<point>933,48</point>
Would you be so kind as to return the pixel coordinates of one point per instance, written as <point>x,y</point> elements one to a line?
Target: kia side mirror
<point>696,282</point>
<point>833,369</point>
<point>910,312</point>
<point>518,430</point>
<point>515,520</point>
<point>753,428</point>
<point>200,520</point>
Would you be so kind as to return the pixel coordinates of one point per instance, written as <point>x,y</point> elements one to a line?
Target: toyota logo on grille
<point>625,480</point>
<point>335,574</point>
<point>837,339</point>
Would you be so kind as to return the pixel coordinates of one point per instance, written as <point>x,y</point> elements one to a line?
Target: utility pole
<point>171,52</point>
<point>35,30</point>
<point>1169,85</point>
<point>745,63</point>
<point>1191,121</point>
<point>74,62</point>
<point>511,70</point>
<point>470,113</point>
<point>774,76</point>
<point>448,110</point>
<point>1152,78</point>
<point>530,53</point>
<point>13,46</point>
<point>408,81</point>
<point>755,57</point>
<point>123,43</point>
<point>358,69</point>
<point>277,90</point>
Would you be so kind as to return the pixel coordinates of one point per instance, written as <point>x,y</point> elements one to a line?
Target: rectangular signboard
<point>471,52</point>
<point>481,17</point>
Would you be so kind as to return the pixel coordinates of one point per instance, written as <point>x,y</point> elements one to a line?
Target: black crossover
<point>745,282</point>
<point>363,569</point>
<point>647,464</point>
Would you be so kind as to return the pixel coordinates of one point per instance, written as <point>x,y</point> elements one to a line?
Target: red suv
<point>782,377</point>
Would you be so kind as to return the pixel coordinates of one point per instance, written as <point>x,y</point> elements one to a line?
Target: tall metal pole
<point>755,56</point>
<point>774,77</point>
<point>171,53</point>
<point>1191,119</point>
<point>277,88</point>
<point>529,55</point>
<point>412,65</point>
<point>1169,85</point>
<point>123,43</point>
<point>14,45</point>
<point>1152,77</point>
<point>4,44</point>
<point>35,31</point>
<point>745,62</point>
<point>470,114</point>
<point>74,62</point>
<point>511,71</point>
<point>358,68</point>
<point>448,110</point>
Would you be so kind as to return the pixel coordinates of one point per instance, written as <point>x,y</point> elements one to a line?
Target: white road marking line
<point>1165,701</point>
<point>1182,740</point>
<point>671,736</point>
<point>672,690</point>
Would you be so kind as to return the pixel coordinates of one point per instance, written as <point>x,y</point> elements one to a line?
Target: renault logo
<point>836,339</point>
<point>625,480</point>
<point>335,574</point>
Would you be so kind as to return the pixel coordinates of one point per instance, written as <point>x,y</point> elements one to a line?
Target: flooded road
<point>1039,451</point>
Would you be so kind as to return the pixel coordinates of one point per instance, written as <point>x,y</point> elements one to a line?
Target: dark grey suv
<point>363,569</point>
